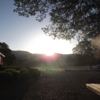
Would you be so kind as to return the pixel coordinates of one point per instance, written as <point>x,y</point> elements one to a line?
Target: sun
<point>49,53</point>
<point>47,46</point>
<point>48,50</point>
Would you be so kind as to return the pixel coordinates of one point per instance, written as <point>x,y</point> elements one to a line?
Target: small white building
<point>1,58</point>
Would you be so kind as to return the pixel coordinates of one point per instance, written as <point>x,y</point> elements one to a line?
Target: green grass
<point>49,68</point>
<point>55,67</point>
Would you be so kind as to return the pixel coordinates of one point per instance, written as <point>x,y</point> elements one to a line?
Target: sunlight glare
<point>49,53</point>
<point>46,45</point>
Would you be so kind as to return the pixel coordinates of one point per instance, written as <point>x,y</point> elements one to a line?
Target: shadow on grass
<point>15,90</point>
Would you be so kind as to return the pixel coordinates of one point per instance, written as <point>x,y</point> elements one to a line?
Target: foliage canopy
<point>70,19</point>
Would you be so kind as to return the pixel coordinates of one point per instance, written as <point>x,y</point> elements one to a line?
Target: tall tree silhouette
<point>70,19</point>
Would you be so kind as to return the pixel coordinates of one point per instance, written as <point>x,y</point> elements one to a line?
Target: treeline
<point>61,60</point>
<point>77,60</point>
<point>26,59</point>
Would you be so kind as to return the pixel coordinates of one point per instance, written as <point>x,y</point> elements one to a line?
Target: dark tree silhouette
<point>84,48</point>
<point>70,19</point>
<point>9,57</point>
<point>89,52</point>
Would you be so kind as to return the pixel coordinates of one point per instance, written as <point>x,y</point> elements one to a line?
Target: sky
<point>25,34</point>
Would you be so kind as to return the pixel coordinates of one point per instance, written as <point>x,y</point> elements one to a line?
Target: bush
<point>6,76</point>
<point>17,68</point>
<point>23,70</point>
<point>1,68</point>
<point>10,70</point>
<point>1,74</point>
<point>24,73</point>
<point>34,72</point>
<point>14,72</point>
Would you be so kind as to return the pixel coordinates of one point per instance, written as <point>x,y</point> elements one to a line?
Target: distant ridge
<point>22,54</point>
<point>26,58</point>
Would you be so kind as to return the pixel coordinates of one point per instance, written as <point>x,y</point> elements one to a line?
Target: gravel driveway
<point>65,85</point>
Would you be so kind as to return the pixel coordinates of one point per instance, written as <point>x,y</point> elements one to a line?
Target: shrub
<point>14,72</point>
<point>10,70</point>
<point>6,76</point>
<point>24,73</point>
<point>34,72</point>
<point>24,70</point>
<point>17,68</point>
<point>1,74</point>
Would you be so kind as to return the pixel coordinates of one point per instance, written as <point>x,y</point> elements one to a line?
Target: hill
<point>22,54</point>
<point>25,58</point>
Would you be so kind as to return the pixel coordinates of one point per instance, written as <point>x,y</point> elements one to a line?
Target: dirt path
<point>63,86</point>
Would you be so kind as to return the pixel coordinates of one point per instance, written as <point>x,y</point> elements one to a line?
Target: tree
<point>84,48</point>
<point>69,18</point>
<point>9,57</point>
<point>89,52</point>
